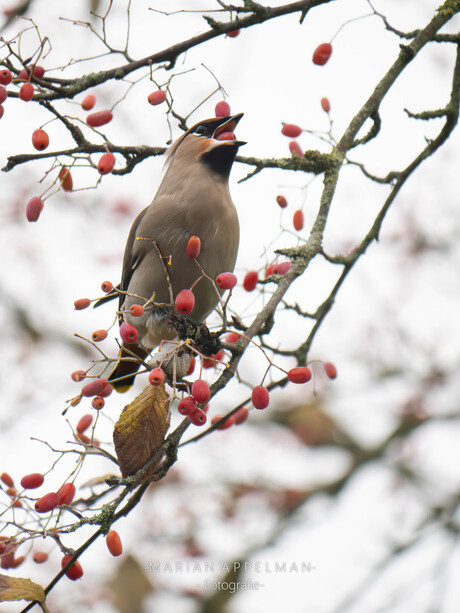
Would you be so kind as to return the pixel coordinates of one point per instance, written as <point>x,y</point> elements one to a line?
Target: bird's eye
<point>201,130</point>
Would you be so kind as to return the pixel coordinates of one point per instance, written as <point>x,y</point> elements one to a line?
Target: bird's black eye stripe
<point>201,130</point>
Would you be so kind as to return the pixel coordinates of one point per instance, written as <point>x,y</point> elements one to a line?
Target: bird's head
<point>211,142</point>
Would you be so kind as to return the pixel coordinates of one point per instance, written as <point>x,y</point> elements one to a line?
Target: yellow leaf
<point>141,428</point>
<point>16,588</point>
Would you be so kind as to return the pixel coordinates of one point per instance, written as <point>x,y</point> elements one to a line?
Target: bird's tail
<point>123,375</point>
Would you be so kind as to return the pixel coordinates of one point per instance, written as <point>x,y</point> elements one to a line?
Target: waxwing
<point>193,199</point>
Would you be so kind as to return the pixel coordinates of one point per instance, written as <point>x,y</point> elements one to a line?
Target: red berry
<point>128,333</point>
<point>225,424</point>
<point>156,376</point>
<point>186,406</point>
<point>232,337</point>
<point>100,118</point>
<point>46,503</point>
<point>193,247</point>
<point>88,102</point>
<point>75,571</point>
<point>198,417</point>
<point>250,281</point>
<point>191,368</point>
<point>295,148</point>
<point>23,75</point>
<point>93,388</point>
<point>99,335</point>
<point>38,71</point>
<point>7,480</point>
<point>7,559</point>
<point>226,136</point>
<point>299,374</point>
<point>200,391</point>
<point>108,389</point>
<point>297,220</point>
<point>240,416</point>
<point>113,542</point>
<point>322,53</point>
<point>136,310</point>
<point>33,208</point>
<point>32,481</point>
<point>222,109</point>
<point>260,397</point>
<point>185,301</point>
<point>106,287</point>
<point>270,270</point>
<point>106,164</point>
<point>2,110</point>
<point>40,139</point>
<point>84,422</point>
<point>157,97</point>
<point>211,361</point>
<point>98,403</point>
<point>330,370</point>
<point>66,179</point>
<point>3,94</point>
<point>5,76</point>
<point>291,130</point>
<point>78,375</point>
<point>66,494</point>
<point>39,557</point>
<point>26,92</point>
<point>226,280</point>
<point>325,105</point>
<point>281,200</point>
<point>233,33</point>
<point>82,303</point>
<point>282,268</point>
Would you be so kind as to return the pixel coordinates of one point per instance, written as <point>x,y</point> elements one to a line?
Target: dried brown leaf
<point>141,428</point>
<point>16,588</point>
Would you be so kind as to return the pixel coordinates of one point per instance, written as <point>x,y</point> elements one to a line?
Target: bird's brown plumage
<point>193,199</point>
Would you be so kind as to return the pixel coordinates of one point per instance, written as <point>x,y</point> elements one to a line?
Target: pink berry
<point>225,424</point>
<point>78,375</point>
<point>193,247</point>
<point>226,280</point>
<point>211,361</point>
<point>222,109</point>
<point>187,405</point>
<point>106,164</point>
<point>185,301</point>
<point>282,268</point>
<point>299,374</point>
<point>156,376</point>
<point>200,391</point>
<point>260,397</point>
<point>250,280</point>
<point>291,130</point>
<point>34,208</point>
<point>322,54</point>
<point>66,494</point>
<point>128,333</point>
<point>93,388</point>
<point>108,389</point>
<point>157,97</point>
<point>240,416</point>
<point>2,110</point>
<point>270,270</point>
<point>232,337</point>
<point>32,481</point>
<point>3,94</point>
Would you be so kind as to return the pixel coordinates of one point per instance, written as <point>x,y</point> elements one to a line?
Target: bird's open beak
<point>228,125</point>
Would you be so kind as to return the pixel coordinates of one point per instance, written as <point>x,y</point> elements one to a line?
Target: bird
<point>193,199</point>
